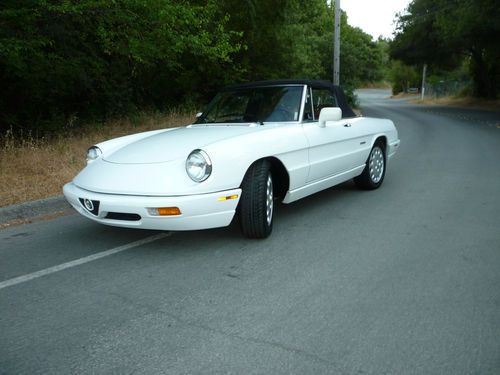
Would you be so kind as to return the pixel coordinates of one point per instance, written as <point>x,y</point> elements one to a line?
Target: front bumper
<point>200,211</point>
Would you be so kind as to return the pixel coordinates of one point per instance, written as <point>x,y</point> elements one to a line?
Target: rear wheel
<point>256,207</point>
<point>374,172</point>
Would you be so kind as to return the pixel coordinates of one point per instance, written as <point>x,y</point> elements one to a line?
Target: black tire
<point>374,172</point>
<point>256,206</point>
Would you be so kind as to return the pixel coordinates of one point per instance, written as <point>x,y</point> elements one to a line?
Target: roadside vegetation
<point>65,63</point>
<point>461,101</point>
<point>457,40</point>
<point>34,168</point>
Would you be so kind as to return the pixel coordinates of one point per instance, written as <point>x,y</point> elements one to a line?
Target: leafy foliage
<point>445,33</point>
<point>62,59</point>
<point>66,60</point>
<point>403,77</point>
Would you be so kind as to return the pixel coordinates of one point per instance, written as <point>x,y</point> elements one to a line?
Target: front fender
<point>232,158</point>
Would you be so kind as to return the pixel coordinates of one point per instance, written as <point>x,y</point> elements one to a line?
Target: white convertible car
<point>255,143</point>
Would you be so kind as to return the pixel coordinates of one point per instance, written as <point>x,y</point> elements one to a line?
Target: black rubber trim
<point>122,216</point>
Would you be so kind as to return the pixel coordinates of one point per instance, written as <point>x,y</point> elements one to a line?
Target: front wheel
<point>374,172</point>
<point>257,201</point>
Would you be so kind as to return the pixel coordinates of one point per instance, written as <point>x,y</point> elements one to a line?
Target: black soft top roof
<point>319,84</point>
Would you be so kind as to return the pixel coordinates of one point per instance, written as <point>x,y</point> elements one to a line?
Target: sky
<point>375,17</point>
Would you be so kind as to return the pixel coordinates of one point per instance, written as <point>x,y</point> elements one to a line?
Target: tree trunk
<point>483,75</point>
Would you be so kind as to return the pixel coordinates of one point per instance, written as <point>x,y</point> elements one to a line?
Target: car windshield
<point>257,104</point>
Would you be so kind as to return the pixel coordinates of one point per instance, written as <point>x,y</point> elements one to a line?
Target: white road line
<point>77,262</point>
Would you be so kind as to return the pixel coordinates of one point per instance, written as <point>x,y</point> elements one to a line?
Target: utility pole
<point>424,72</point>
<point>336,45</point>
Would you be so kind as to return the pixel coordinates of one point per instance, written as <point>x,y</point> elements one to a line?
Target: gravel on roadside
<point>27,211</point>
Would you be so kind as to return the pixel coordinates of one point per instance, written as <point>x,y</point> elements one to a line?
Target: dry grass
<point>468,102</point>
<point>38,168</point>
<point>377,85</point>
<point>402,95</point>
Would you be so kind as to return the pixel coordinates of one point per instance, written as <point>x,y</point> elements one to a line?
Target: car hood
<point>174,144</point>
<point>155,163</point>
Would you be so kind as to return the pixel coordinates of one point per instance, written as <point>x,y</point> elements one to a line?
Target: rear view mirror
<point>329,114</point>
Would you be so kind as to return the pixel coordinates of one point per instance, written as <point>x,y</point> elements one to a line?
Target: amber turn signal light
<point>164,211</point>
<point>169,211</point>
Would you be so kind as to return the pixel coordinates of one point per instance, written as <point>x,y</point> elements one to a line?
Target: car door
<point>333,148</point>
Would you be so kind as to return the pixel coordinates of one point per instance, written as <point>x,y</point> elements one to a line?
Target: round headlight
<point>198,166</point>
<point>93,153</point>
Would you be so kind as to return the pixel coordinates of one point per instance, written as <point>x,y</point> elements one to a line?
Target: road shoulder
<point>38,210</point>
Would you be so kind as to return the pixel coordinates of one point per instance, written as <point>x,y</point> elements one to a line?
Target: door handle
<point>347,125</point>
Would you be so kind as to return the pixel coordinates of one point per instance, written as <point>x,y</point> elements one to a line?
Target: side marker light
<point>228,197</point>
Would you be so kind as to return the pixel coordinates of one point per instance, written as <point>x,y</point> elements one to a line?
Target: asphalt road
<point>401,280</point>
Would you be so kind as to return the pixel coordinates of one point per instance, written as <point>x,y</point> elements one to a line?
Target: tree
<point>88,59</point>
<point>403,77</point>
<point>443,33</point>
<point>61,60</point>
<point>285,39</point>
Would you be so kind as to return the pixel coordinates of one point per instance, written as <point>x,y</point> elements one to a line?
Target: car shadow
<point>285,214</point>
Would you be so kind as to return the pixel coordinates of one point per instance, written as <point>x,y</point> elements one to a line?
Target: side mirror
<point>198,115</point>
<point>329,114</point>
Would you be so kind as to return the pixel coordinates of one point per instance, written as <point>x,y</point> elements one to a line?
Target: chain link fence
<point>446,88</point>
